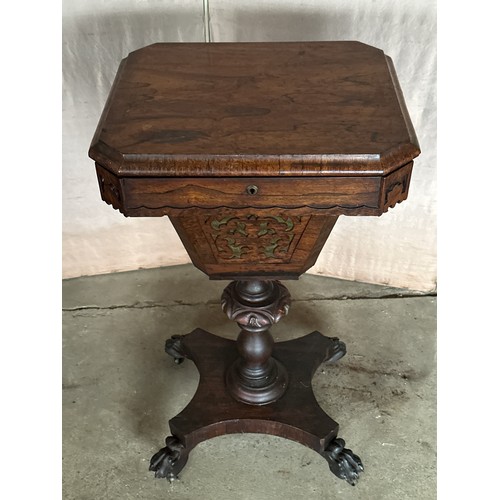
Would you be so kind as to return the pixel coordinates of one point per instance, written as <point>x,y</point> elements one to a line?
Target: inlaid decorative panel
<point>253,237</point>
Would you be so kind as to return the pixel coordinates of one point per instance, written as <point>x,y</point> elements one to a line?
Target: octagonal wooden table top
<point>255,109</point>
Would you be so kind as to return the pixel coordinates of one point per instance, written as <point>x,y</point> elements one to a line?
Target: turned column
<point>256,377</point>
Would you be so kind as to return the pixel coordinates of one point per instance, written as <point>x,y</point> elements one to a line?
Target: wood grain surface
<point>254,149</point>
<point>255,109</point>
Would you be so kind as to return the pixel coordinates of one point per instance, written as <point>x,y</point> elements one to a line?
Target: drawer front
<point>146,196</point>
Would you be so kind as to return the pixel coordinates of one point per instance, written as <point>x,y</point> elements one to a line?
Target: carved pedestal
<point>252,386</point>
<point>255,377</point>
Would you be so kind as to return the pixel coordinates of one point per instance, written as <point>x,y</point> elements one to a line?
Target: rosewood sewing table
<point>254,150</point>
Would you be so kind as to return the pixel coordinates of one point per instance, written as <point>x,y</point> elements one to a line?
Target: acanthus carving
<point>261,315</point>
<point>255,377</point>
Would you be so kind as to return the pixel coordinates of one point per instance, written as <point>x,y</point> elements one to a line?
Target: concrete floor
<point>120,389</point>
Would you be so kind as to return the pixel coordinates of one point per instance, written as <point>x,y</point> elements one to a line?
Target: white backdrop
<point>398,248</point>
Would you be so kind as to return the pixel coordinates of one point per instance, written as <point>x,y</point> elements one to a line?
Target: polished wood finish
<point>255,109</point>
<point>256,377</point>
<point>229,139</point>
<point>297,415</point>
<point>348,195</point>
<point>254,150</point>
<point>239,250</point>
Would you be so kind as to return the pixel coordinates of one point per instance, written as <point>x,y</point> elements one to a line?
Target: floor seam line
<point>318,299</point>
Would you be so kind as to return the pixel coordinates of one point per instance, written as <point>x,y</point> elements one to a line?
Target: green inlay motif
<point>251,235</point>
<point>289,223</point>
<point>236,249</point>
<point>240,228</point>
<point>216,224</point>
<point>269,250</point>
<point>265,230</point>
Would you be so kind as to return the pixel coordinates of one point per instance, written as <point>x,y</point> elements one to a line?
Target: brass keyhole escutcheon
<point>252,189</point>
